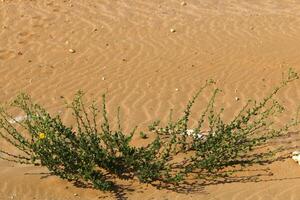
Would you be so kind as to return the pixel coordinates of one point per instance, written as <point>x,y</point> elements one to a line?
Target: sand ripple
<point>125,48</point>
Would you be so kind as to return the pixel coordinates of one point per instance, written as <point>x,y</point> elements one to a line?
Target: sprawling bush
<point>93,153</point>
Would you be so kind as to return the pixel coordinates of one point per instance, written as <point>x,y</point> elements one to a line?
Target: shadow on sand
<point>288,143</point>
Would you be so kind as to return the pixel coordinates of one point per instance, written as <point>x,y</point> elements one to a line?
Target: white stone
<point>190,132</point>
<point>296,153</point>
<point>172,30</point>
<point>17,119</point>
<point>72,51</point>
<point>199,136</point>
<point>295,158</point>
<point>183,3</point>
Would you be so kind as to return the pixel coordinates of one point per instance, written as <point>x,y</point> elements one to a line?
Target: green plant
<point>143,135</point>
<point>93,153</point>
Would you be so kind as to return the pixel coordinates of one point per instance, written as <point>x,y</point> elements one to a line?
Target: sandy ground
<point>126,49</point>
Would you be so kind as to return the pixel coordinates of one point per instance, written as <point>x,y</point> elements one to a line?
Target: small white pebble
<point>176,89</point>
<point>295,158</point>
<point>75,194</point>
<point>72,51</point>
<point>189,132</point>
<point>183,3</point>
<point>67,42</point>
<point>172,30</point>
<point>103,78</point>
<point>17,119</point>
<point>237,98</point>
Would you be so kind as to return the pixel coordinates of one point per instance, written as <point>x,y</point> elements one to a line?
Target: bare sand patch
<point>50,49</point>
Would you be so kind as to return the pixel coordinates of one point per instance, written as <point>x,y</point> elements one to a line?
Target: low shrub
<point>93,153</point>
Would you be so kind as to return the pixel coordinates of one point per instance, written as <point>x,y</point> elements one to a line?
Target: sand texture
<point>149,56</point>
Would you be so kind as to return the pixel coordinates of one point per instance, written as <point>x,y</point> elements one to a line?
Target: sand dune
<point>126,49</point>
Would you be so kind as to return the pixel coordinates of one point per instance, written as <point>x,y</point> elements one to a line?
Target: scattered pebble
<point>183,3</point>
<point>191,132</point>
<point>72,51</point>
<point>270,174</point>
<point>75,194</point>
<point>17,119</point>
<point>103,78</point>
<point>296,156</point>
<point>172,30</point>
<point>67,42</point>
<point>237,98</point>
<point>177,89</point>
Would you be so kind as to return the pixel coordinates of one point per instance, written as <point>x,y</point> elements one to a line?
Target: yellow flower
<point>42,135</point>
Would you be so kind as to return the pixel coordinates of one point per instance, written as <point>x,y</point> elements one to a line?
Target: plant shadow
<point>287,143</point>
<point>261,174</point>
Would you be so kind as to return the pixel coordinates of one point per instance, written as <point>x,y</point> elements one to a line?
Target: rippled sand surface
<point>126,49</point>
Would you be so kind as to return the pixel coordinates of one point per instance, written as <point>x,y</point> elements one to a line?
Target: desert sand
<point>149,56</point>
